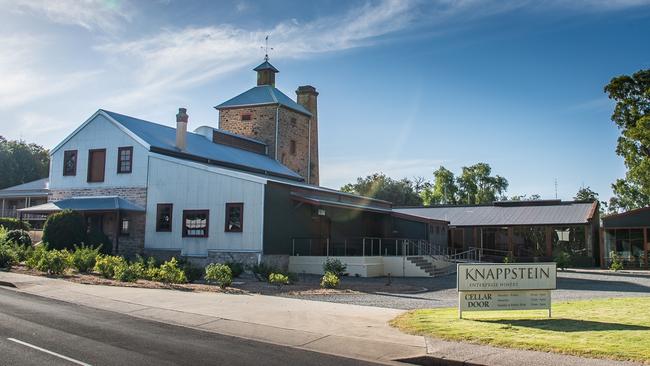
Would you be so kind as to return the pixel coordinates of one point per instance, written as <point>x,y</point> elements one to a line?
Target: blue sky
<point>405,86</point>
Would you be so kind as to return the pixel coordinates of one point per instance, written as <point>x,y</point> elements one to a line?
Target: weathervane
<point>266,48</point>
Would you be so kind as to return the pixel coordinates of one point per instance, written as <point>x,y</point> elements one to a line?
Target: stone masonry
<point>131,244</point>
<point>293,126</point>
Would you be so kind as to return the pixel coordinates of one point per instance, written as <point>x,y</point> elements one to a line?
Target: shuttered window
<point>96,165</point>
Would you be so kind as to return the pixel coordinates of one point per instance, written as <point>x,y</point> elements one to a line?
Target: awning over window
<point>104,203</point>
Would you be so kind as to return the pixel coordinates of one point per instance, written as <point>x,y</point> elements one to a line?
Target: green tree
<point>399,192</point>
<point>525,197</point>
<point>21,162</point>
<point>477,186</point>
<point>444,189</point>
<point>632,116</point>
<point>586,194</point>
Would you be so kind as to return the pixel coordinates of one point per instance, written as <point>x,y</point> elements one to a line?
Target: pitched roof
<point>100,203</point>
<point>162,139</point>
<point>263,95</point>
<point>266,66</point>
<point>527,213</point>
<point>37,187</point>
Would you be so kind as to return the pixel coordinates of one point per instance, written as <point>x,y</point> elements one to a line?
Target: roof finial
<point>266,48</point>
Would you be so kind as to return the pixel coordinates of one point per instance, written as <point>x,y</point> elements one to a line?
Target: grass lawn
<point>604,328</point>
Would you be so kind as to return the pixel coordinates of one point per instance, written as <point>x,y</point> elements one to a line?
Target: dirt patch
<point>307,285</point>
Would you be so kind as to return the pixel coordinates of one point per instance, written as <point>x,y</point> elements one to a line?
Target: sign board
<point>512,286</point>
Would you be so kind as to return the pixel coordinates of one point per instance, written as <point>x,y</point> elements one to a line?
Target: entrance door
<point>95,223</point>
<point>324,228</point>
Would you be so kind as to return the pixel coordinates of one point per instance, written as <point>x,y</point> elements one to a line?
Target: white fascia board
<point>211,169</point>
<point>109,118</point>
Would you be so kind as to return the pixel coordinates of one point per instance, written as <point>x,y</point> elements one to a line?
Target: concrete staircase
<point>428,265</point>
<point>423,264</point>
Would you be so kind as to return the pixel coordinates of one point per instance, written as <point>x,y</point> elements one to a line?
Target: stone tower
<point>289,128</point>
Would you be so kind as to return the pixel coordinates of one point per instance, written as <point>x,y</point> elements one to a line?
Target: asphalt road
<point>38,331</point>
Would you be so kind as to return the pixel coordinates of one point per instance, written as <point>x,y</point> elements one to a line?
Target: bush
<point>54,262</point>
<point>278,279</point>
<point>128,272</point>
<point>10,223</point>
<point>192,272</point>
<point>35,256</point>
<point>220,274</point>
<point>330,280</point>
<point>334,266</point>
<point>616,264</point>
<point>8,256</point>
<point>98,239</point>
<point>262,271</point>
<point>64,229</point>
<point>23,252</point>
<point>106,264</point>
<point>83,258</point>
<point>170,272</point>
<point>236,268</point>
<point>19,237</point>
<point>563,260</point>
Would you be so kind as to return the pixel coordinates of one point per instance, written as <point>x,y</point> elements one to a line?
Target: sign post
<point>511,286</point>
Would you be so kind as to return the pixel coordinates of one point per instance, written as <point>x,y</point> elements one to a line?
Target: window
<point>164,217</point>
<point>195,223</point>
<point>124,225</point>
<point>125,159</point>
<point>96,165</point>
<point>246,117</point>
<point>234,217</point>
<point>292,147</point>
<point>293,121</point>
<point>70,162</point>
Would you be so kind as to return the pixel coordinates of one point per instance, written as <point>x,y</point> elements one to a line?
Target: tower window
<point>293,121</point>
<point>292,147</point>
<point>246,117</point>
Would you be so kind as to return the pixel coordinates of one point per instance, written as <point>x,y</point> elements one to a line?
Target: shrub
<point>35,256</point>
<point>616,264</point>
<point>262,271</point>
<point>8,256</point>
<point>149,267</point>
<point>19,237</point>
<point>23,252</point>
<point>236,268</point>
<point>563,260</point>
<point>330,280</point>
<point>128,272</point>
<point>106,264</point>
<point>220,274</point>
<point>10,223</point>
<point>98,239</point>
<point>64,229</point>
<point>278,279</point>
<point>192,272</point>
<point>83,258</point>
<point>335,266</point>
<point>170,272</point>
<point>54,262</point>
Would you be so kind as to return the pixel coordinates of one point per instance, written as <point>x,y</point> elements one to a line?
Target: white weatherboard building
<point>216,195</point>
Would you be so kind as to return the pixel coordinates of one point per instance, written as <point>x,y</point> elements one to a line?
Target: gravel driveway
<point>441,291</point>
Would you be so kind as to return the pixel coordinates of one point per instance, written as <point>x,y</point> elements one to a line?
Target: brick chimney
<point>181,129</point>
<point>306,95</point>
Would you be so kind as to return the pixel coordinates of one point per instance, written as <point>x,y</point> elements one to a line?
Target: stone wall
<point>293,126</point>
<point>128,245</point>
<point>247,258</point>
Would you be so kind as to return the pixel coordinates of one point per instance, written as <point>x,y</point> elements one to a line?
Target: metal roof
<point>558,213</point>
<point>37,187</point>
<point>266,66</point>
<point>262,95</point>
<point>163,139</point>
<point>103,203</point>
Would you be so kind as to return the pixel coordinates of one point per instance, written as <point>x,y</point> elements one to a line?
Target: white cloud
<point>23,79</point>
<point>89,14</point>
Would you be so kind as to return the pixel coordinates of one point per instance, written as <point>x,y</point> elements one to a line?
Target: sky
<point>405,86</point>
